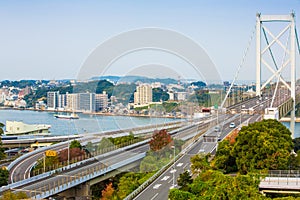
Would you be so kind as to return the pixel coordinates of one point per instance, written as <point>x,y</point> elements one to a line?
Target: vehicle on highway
<point>232,125</point>
<point>217,129</point>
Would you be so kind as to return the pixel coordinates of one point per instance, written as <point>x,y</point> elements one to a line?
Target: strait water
<point>85,123</point>
<point>88,123</point>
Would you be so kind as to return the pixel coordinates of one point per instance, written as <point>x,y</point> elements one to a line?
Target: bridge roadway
<point>159,189</point>
<point>37,187</point>
<point>281,181</point>
<point>20,168</point>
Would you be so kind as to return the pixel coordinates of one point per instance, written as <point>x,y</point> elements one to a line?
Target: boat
<point>72,116</point>
<point>20,128</point>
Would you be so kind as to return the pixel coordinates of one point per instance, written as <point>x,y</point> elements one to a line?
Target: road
<point>159,189</point>
<point>21,170</point>
<point>54,181</point>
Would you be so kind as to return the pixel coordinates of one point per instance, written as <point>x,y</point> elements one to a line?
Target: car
<point>232,125</point>
<point>217,129</point>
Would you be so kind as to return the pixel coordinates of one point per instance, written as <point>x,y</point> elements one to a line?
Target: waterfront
<point>85,124</point>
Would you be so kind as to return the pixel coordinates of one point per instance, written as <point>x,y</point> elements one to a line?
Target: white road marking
<point>156,186</point>
<point>165,178</point>
<point>179,164</point>
<point>185,165</point>
<point>154,196</point>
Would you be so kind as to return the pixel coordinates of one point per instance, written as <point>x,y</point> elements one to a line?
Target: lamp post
<point>173,167</point>
<point>242,106</point>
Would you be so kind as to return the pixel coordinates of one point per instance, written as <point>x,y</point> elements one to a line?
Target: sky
<point>52,40</point>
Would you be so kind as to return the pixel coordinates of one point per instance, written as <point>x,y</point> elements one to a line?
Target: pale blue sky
<point>51,39</point>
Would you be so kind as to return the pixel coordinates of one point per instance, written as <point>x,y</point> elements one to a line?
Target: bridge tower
<point>262,30</point>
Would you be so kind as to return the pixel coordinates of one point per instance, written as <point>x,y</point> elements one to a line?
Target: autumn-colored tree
<point>160,139</point>
<point>232,136</point>
<point>74,152</point>
<point>108,192</point>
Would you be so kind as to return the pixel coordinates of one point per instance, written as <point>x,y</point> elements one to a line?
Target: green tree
<point>104,144</point>
<point>1,128</point>
<point>159,95</point>
<point>184,180</point>
<point>223,158</point>
<point>263,145</point>
<point>127,184</point>
<point>176,194</point>
<point>213,184</point>
<point>75,144</point>
<point>3,177</point>
<point>8,195</point>
<point>2,154</point>
<point>200,163</point>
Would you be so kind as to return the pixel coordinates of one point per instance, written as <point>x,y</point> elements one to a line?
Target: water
<point>297,128</point>
<point>85,124</point>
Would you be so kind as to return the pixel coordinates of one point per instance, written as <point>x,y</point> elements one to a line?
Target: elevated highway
<point>107,162</point>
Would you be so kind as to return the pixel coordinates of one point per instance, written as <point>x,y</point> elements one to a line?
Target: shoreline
<point>94,113</point>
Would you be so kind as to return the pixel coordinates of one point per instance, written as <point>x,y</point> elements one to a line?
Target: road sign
<point>51,153</point>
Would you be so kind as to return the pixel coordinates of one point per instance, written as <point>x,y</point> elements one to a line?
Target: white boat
<point>20,128</point>
<point>72,116</point>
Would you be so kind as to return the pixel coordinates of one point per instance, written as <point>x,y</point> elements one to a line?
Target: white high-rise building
<point>72,102</point>
<point>52,100</point>
<point>143,95</point>
<point>101,101</point>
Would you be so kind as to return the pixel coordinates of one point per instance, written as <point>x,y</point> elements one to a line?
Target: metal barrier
<point>80,178</point>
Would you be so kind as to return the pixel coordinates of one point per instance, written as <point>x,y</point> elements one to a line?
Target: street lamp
<point>173,147</point>
<point>242,106</point>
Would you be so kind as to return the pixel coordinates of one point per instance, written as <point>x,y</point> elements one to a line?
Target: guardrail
<point>47,174</point>
<point>163,169</point>
<point>82,177</point>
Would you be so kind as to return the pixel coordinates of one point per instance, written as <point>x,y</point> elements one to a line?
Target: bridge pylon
<point>263,22</point>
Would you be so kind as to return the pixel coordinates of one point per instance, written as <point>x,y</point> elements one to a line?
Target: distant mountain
<point>134,79</point>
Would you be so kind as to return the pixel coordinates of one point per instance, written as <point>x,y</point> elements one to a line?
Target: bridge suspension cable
<point>239,67</point>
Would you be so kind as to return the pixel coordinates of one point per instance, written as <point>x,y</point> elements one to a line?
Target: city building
<point>62,101</point>
<point>143,95</point>
<point>87,102</point>
<point>52,100</point>
<point>180,96</point>
<point>72,102</point>
<point>101,101</point>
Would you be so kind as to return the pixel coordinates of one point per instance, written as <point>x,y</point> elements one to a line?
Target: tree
<point>159,95</point>
<point>159,140</point>
<point>104,144</point>
<point>2,154</point>
<point>213,184</point>
<point>200,163</point>
<point>13,196</point>
<point>108,192</point>
<point>1,128</point>
<point>128,183</point>
<point>263,145</point>
<point>3,177</point>
<point>183,180</point>
<point>199,84</point>
<point>73,153</point>
<point>223,159</point>
<point>75,144</point>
